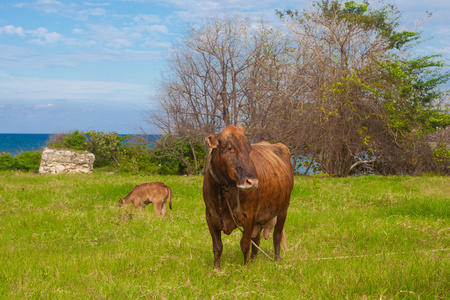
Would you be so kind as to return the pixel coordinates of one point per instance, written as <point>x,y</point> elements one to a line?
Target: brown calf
<point>154,192</point>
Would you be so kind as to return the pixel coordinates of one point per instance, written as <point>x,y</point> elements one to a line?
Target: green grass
<point>63,237</point>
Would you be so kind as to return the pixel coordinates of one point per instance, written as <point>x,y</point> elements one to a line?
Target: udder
<point>267,227</point>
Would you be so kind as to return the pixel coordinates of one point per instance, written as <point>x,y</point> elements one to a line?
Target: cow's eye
<point>229,148</point>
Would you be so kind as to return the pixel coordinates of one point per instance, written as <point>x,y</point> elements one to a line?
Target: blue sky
<point>95,65</point>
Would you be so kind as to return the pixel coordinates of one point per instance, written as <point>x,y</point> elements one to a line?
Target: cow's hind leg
<point>164,207</point>
<point>158,205</point>
<point>278,234</point>
<point>255,240</point>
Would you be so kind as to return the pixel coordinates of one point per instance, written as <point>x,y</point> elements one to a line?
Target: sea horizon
<point>16,143</point>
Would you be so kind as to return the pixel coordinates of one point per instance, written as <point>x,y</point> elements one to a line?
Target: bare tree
<point>215,78</point>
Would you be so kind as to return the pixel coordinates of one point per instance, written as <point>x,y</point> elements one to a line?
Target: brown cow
<point>261,175</point>
<point>153,192</point>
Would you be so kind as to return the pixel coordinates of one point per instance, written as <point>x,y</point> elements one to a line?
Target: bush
<point>73,140</point>
<point>26,161</point>
<point>6,161</point>
<point>137,159</point>
<point>441,155</point>
<point>106,146</point>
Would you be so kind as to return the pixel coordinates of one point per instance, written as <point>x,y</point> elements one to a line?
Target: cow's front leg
<point>246,240</point>
<point>216,236</point>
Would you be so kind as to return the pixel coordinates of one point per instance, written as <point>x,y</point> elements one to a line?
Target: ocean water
<point>15,143</point>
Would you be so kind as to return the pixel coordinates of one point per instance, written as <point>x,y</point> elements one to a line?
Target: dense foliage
<point>25,161</point>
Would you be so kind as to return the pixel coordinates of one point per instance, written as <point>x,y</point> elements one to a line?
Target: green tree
<point>366,98</point>
<point>413,100</point>
<point>181,155</point>
<point>104,145</point>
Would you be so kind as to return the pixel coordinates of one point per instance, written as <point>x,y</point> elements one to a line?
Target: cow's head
<point>230,158</point>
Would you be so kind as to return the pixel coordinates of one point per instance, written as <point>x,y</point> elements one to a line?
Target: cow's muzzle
<point>249,184</point>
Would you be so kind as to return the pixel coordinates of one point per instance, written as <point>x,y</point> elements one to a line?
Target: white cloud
<point>78,31</point>
<point>127,37</point>
<point>31,89</point>
<point>104,32</point>
<point>44,106</point>
<point>154,29</point>
<point>18,5</point>
<point>79,43</point>
<point>97,4</point>
<point>146,19</point>
<point>12,30</point>
<point>53,6</point>
<point>119,43</point>
<point>93,12</point>
<point>19,57</point>
<point>44,36</point>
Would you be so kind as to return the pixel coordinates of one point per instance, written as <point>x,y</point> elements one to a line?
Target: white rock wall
<point>66,161</point>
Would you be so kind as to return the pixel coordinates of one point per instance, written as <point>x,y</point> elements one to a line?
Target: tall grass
<point>64,237</point>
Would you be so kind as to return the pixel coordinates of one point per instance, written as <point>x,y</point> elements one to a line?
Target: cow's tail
<point>170,197</point>
<point>284,241</point>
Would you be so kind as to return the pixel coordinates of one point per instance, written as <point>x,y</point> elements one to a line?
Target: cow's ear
<point>241,129</point>
<point>212,140</point>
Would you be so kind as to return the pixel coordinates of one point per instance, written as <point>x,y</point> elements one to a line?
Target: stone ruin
<point>66,161</point>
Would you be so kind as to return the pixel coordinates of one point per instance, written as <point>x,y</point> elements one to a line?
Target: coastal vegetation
<point>25,161</point>
<point>113,152</point>
<point>340,83</point>
<point>369,237</point>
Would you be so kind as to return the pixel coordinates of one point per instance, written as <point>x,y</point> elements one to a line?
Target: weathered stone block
<point>66,161</point>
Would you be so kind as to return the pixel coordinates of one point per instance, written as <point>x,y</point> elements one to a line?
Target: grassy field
<point>63,237</point>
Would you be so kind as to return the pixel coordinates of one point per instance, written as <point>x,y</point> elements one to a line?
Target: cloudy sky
<point>95,65</point>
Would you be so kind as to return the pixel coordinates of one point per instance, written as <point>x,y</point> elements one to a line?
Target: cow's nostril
<point>252,182</point>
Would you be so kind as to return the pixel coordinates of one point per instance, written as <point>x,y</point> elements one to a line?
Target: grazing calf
<point>154,192</point>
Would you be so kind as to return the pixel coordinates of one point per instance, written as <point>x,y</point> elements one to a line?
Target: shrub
<point>6,161</point>
<point>137,159</point>
<point>73,140</point>
<point>106,146</point>
<point>26,161</point>
<point>441,155</point>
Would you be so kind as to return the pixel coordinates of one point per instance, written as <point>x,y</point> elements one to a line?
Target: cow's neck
<point>224,189</point>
